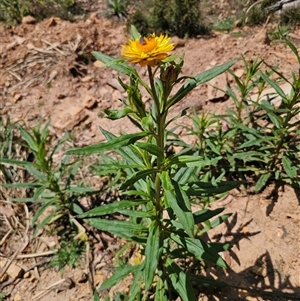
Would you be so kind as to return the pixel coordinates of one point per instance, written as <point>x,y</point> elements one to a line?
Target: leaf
<point>207,189</point>
<point>184,174</point>
<point>216,222</point>
<point>262,181</point>
<point>129,153</point>
<point>180,281</point>
<point>191,161</point>
<point>116,64</point>
<point>16,162</point>
<point>288,167</point>
<point>118,114</point>
<point>135,288</point>
<point>123,229</point>
<point>152,254</point>
<point>113,144</point>
<point>152,149</point>
<point>36,173</point>
<point>30,140</point>
<point>96,296</point>
<point>200,249</point>
<point>134,32</point>
<point>110,208</point>
<point>119,274</point>
<point>197,80</point>
<point>160,291</point>
<point>177,199</point>
<point>137,176</point>
<point>205,214</point>
<point>274,85</point>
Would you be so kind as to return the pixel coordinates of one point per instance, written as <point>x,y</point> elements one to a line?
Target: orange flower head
<point>147,51</point>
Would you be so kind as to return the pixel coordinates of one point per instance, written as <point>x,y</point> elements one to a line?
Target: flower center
<point>146,44</point>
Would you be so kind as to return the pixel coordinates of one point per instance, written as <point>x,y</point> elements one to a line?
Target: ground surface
<point>47,71</point>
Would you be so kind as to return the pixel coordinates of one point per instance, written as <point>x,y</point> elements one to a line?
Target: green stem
<point>160,119</point>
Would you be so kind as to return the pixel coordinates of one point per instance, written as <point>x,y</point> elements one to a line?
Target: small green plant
<point>117,8</point>
<point>258,139</point>
<point>277,34</point>
<point>158,188</point>
<point>224,25</point>
<point>180,18</point>
<point>69,254</point>
<point>51,182</point>
<point>2,296</point>
<point>13,11</point>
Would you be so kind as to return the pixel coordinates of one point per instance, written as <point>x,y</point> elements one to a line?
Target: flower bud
<point>169,75</point>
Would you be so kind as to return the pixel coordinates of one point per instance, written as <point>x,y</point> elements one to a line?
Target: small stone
<point>86,79</point>
<point>13,271</point>
<point>98,64</point>
<point>262,37</point>
<point>178,42</point>
<point>17,297</point>
<point>89,101</point>
<point>27,275</point>
<point>61,96</point>
<point>17,97</point>
<point>28,20</point>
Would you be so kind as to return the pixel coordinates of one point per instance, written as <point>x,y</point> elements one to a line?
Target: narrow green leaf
<point>288,167</point>
<point>129,153</point>
<point>216,222</point>
<point>160,291</point>
<point>200,249</point>
<point>134,32</point>
<point>16,162</point>
<point>205,214</point>
<point>135,288</point>
<point>152,149</point>
<point>262,181</point>
<point>113,144</point>
<point>197,80</point>
<point>116,64</point>
<point>176,198</point>
<point>191,161</point>
<point>273,84</point>
<point>180,281</point>
<point>137,176</point>
<point>36,173</point>
<point>152,254</point>
<point>96,296</point>
<point>203,189</point>
<point>30,140</point>
<point>119,274</point>
<point>41,209</point>
<point>111,208</point>
<point>118,114</point>
<point>123,229</point>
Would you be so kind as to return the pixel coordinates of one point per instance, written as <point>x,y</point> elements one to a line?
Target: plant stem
<point>160,119</point>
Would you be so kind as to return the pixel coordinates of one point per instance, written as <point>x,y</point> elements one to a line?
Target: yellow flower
<point>147,51</point>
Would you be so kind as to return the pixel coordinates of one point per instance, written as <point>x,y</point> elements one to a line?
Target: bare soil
<point>47,72</point>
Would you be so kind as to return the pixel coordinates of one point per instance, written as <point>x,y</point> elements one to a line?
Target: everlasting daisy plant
<point>158,187</point>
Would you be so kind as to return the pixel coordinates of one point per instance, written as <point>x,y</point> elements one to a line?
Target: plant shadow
<point>263,280</point>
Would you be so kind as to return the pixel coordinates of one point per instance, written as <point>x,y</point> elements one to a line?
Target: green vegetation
<point>13,11</point>
<point>69,254</point>
<point>181,18</point>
